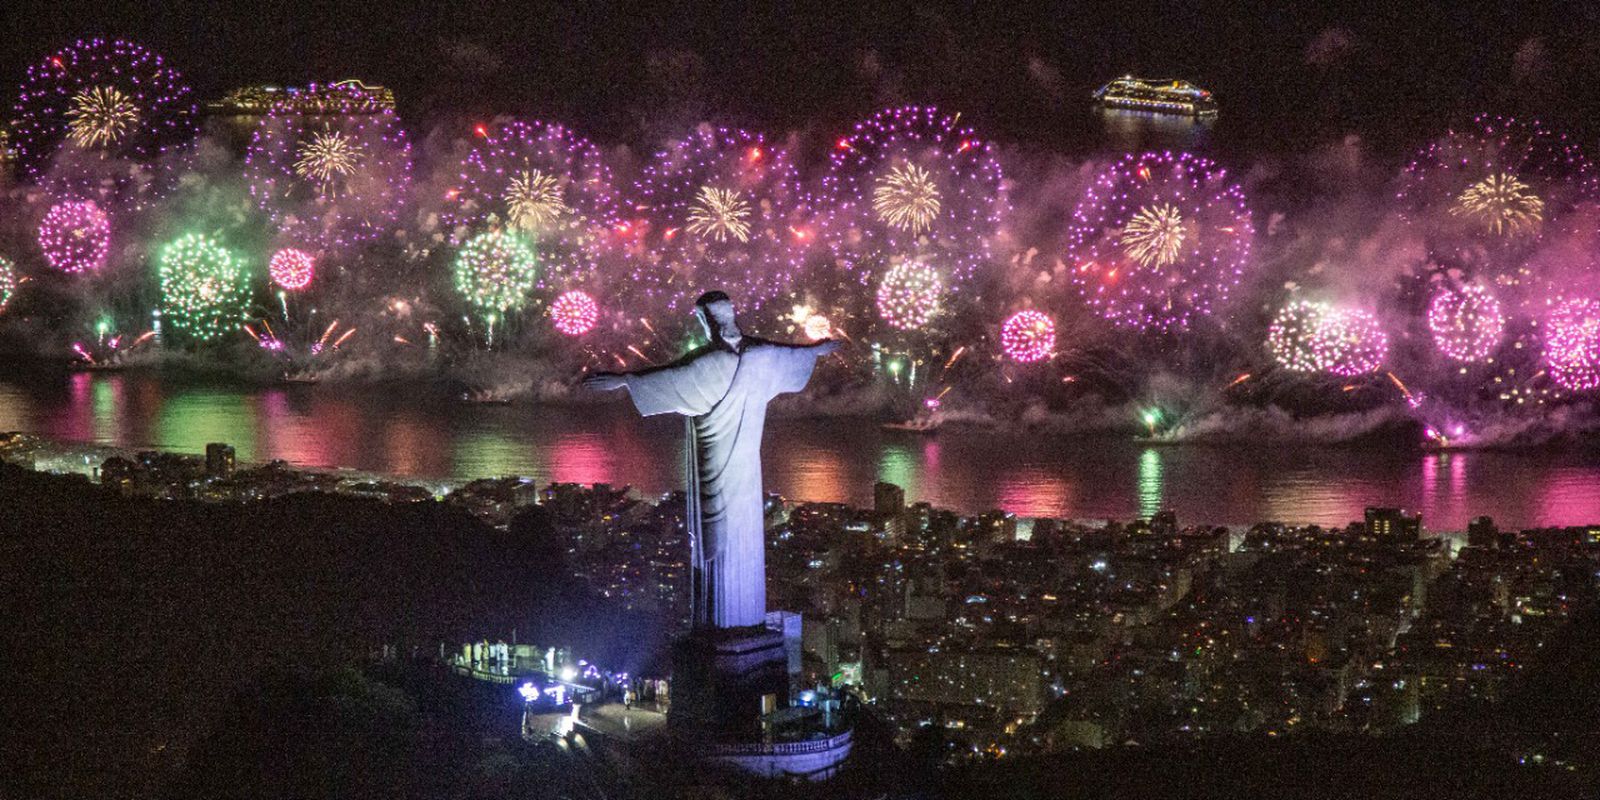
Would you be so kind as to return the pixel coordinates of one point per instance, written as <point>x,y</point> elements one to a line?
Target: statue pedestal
<point>720,677</point>
<point>731,706</point>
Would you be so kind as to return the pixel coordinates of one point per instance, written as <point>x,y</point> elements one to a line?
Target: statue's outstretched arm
<point>611,381</point>
<point>791,364</point>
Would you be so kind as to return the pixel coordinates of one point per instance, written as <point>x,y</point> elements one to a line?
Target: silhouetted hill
<point>128,623</point>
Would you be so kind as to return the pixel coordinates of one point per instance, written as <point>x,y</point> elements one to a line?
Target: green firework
<point>205,288</point>
<point>496,272</point>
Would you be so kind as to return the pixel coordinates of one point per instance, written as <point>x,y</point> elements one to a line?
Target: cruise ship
<point>349,97</point>
<point>1160,97</point>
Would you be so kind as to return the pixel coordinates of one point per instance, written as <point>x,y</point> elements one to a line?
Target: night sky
<point>1284,72</point>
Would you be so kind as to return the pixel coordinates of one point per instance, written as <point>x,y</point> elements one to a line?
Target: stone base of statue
<point>732,704</point>
<point>725,679</point>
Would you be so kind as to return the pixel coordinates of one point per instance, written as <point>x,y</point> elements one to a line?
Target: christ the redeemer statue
<point>723,389</point>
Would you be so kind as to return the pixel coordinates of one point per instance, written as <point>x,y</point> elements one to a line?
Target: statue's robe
<point>725,393</point>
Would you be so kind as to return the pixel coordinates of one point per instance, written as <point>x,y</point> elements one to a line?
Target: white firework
<point>907,198</point>
<point>1155,235</point>
<point>329,156</point>
<point>720,214</point>
<point>534,201</point>
<point>100,117</point>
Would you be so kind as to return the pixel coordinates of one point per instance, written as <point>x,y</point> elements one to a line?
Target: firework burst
<point>332,180</point>
<point>1487,194</point>
<point>83,109</point>
<point>1154,236</point>
<point>533,201</point>
<point>1295,337</point>
<point>1572,344</point>
<point>907,198</point>
<point>75,236</point>
<point>910,295</point>
<point>547,183</point>
<point>204,288</point>
<point>291,269</point>
<point>913,182</point>
<point>535,177</point>
<point>1501,204</point>
<point>1467,323</point>
<point>496,273</point>
<point>1158,240</point>
<point>1028,336</point>
<point>1358,342</point>
<point>720,214</point>
<point>101,116</point>
<point>720,208</point>
<point>327,159</point>
<point>574,313</point>
<point>1317,337</point>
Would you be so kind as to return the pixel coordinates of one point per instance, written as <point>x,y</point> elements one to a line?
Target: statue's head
<point>715,312</point>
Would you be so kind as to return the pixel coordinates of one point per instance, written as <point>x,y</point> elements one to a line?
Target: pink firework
<point>75,236</point>
<point>335,179</point>
<point>912,182</point>
<point>1159,240</point>
<point>1028,336</point>
<point>574,313</point>
<point>1572,344</point>
<point>1467,322</point>
<point>721,208</point>
<point>291,269</point>
<point>1359,345</point>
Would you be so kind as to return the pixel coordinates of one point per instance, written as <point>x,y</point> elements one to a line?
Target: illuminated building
<point>344,98</point>
<point>1160,97</point>
<point>1393,522</point>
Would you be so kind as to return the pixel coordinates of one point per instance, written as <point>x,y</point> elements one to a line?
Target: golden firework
<point>329,156</point>
<point>1154,236</point>
<point>907,198</point>
<point>719,214</point>
<point>100,117</point>
<point>533,200</point>
<point>1502,204</point>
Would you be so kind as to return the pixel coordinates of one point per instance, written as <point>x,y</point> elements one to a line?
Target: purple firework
<point>88,106</point>
<point>335,179</point>
<point>1498,184</point>
<point>912,182</point>
<point>1159,239</point>
<point>721,208</point>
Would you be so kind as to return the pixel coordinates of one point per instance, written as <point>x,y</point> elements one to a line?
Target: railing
<point>781,748</point>
<point>483,675</point>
